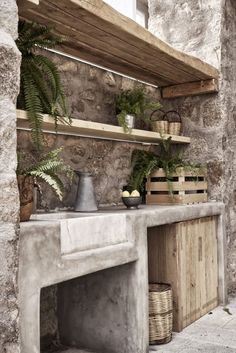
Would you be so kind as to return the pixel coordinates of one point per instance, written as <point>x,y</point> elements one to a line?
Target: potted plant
<point>41,89</point>
<point>170,179</point>
<point>131,104</point>
<point>46,168</point>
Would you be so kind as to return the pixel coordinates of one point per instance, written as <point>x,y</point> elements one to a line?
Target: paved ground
<point>213,333</point>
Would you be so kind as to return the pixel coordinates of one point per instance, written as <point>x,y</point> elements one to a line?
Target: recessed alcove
<point>90,312</point>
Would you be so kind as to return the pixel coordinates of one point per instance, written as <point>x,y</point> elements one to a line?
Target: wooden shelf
<point>97,33</point>
<point>97,130</point>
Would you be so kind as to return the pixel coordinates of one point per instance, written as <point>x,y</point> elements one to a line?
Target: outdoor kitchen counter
<point>60,246</point>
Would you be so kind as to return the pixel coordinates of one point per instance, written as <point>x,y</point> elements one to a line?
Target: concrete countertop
<point>153,215</point>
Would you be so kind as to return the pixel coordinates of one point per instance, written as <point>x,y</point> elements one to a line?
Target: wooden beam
<point>95,32</point>
<point>190,89</point>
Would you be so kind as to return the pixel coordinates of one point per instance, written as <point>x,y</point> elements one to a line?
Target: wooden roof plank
<point>127,29</point>
<point>97,37</point>
<point>96,32</point>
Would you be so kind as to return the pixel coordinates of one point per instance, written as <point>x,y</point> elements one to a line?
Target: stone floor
<point>213,333</point>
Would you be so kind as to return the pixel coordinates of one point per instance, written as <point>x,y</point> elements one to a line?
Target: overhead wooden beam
<point>190,89</point>
<point>97,33</point>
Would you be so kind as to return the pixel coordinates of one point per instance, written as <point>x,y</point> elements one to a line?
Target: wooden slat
<point>191,89</point>
<point>154,199</point>
<point>176,186</point>
<point>187,172</point>
<point>96,32</point>
<point>98,130</point>
<point>163,264</point>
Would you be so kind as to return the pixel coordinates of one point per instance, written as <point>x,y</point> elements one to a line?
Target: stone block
<point>8,159</point>
<point>9,198</point>
<point>9,17</point>
<point>9,66</point>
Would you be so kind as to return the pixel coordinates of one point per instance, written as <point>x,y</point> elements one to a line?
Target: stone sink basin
<point>86,231</point>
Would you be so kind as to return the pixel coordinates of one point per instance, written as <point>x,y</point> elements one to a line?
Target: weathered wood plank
<point>94,129</point>
<point>191,89</point>
<point>176,186</point>
<point>96,32</point>
<point>175,199</point>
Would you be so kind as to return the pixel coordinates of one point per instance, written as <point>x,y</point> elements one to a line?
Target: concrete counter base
<point>103,291</point>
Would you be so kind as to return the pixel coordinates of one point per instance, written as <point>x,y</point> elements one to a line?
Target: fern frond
<point>50,180</point>
<point>41,89</point>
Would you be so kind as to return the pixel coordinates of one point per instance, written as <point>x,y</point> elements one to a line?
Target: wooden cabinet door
<point>185,255</point>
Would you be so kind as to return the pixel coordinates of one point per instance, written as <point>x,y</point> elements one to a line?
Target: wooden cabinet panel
<point>185,255</point>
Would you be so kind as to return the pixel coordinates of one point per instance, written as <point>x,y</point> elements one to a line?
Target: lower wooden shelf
<point>98,130</point>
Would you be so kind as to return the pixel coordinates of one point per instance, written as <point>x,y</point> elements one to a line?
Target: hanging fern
<point>48,169</point>
<point>41,90</point>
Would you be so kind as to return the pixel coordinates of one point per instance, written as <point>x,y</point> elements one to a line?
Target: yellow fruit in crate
<point>125,194</point>
<point>135,193</point>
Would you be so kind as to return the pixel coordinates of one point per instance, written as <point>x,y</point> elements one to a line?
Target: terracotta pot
<point>26,187</point>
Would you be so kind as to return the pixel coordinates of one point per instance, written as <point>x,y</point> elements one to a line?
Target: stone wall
<point>90,95</point>
<point>9,205</point>
<point>209,120</point>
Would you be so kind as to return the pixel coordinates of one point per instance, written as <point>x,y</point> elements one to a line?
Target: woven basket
<point>160,313</point>
<point>160,124</point>
<point>174,123</point>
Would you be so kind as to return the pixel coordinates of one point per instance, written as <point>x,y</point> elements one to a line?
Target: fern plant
<point>47,169</point>
<point>143,163</point>
<point>41,89</point>
<point>133,102</point>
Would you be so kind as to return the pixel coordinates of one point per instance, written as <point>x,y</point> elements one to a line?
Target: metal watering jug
<point>85,199</point>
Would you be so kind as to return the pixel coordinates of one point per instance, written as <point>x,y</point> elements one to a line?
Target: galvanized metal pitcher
<point>85,199</point>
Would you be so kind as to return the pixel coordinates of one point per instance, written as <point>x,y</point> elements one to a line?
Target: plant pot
<point>26,187</point>
<point>130,120</point>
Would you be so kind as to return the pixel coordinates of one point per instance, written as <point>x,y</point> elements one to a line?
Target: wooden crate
<point>185,255</point>
<point>187,186</point>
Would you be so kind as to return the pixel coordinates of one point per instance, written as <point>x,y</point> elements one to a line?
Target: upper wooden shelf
<point>97,130</point>
<point>97,33</point>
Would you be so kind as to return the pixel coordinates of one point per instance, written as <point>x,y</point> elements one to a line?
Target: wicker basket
<point>160,124</point>
<point>174,122</point>
<point>160,313</point>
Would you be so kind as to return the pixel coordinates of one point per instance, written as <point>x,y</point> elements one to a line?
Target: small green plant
<point>41,90</point>
<point>144,163</point>
<point>48,169</point>
<point>133,102</point>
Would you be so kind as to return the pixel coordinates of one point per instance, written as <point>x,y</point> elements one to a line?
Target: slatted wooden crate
<point>185,256</point>
<point>187,186</point>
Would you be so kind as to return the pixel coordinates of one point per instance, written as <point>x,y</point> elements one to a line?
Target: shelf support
<point>190,89</point>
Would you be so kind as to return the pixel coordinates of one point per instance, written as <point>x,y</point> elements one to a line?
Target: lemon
<point>135,193</point>
<point>125,194</point>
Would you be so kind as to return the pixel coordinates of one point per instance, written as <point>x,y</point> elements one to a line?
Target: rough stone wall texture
<point>229,134</point>
<point>9,205</point>
<point>190,26</point>
<point>90,95</point>
<point>210,119</point>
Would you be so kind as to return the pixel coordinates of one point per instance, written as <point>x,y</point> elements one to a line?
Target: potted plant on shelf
<point>131,104</point>
<point>47,168</point>
<point>170,179</point>
<point>41,89</point>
